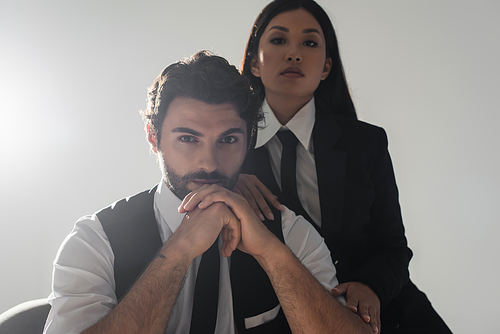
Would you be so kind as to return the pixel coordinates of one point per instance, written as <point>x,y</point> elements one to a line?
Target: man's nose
<point>208,159</point>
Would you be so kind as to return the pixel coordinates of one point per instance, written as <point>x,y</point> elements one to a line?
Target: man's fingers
<point>192,199</point>
<point>227,247</point>
<point>195,198</point>
<point>183,206</point>
<point>231,236</point>
<point>237,204</point>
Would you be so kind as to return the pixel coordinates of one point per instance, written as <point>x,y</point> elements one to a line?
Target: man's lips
<point>204,181</point>
<point>292,72</point>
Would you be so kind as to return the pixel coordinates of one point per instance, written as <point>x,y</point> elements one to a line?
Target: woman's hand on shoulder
<point>256,193</point>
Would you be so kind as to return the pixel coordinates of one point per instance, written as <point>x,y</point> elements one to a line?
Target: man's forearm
<point>308,307</point>
<point>147,306</point>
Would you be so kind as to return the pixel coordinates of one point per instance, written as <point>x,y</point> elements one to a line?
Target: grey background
<point>73,75</point>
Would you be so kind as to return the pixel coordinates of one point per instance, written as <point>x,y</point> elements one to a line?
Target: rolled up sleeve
<point>83,285</point>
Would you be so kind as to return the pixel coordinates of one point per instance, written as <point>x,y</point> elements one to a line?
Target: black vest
<point>132,231</point>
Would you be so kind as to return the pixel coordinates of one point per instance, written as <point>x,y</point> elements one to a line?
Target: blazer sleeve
<point>386,267</point>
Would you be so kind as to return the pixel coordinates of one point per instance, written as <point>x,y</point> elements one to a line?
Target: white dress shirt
<point>301,125</point>
<point>83,288</point>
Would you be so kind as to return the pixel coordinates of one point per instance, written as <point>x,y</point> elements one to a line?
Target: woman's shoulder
<point>351,134</point>
<point>359,125</point>
<point>347,126</point>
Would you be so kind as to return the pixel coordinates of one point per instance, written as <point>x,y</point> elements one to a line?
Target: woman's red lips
<point>293,70</point>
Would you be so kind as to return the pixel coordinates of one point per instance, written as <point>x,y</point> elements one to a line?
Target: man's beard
<point>178,184</point>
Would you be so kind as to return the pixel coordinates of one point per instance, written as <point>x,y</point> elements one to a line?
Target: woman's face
<point>291,59</point>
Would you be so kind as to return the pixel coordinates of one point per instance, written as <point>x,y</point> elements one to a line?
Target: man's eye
<point>278,40</point>
<point>229,140</point>
<point>310,43</point>
<point>187,139</point>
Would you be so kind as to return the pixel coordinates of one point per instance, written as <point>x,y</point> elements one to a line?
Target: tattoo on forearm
<point>161,256</point>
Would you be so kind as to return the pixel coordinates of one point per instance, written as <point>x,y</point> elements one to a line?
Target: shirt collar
<point>168,203</point>
<point>301,124</point>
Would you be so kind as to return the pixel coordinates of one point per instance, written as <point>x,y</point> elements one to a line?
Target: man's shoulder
<point>296,227</point>
<point>130,205</point>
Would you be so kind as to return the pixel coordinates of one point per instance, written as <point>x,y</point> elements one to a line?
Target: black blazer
<point>360,214</point>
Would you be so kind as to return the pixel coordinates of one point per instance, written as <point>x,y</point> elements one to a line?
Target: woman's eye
<point>310,43</point>
<point>229,140</point>
<point>187,139</point>
<point>278,40</point>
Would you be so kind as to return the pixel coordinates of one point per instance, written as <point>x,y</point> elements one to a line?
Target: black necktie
<point>206,292</point>
<point>289,172</point>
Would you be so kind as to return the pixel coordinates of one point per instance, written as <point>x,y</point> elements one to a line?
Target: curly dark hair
<point>205,77</point>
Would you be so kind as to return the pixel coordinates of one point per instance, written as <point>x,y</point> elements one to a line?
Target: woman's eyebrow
<point>305,31</point>
<point>279,28</point>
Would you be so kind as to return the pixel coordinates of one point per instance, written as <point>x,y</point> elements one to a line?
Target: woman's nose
<point>294,55</point>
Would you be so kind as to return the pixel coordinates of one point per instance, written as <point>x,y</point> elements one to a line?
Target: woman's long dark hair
<point>332,94</point>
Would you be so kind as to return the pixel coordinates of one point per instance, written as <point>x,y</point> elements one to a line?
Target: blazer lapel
<point>331,171</point>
